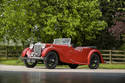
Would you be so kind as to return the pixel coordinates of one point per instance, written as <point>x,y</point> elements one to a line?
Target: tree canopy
<point>44,20</point>
<point>112,12</point>
<point>109,8</point>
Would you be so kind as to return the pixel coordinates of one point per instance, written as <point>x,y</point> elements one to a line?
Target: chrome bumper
<point>36,58</point>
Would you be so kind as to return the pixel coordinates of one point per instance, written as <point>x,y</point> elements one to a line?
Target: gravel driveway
<point>41,69</point>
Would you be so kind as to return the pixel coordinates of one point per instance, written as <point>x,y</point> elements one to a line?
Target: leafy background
<point>85,21</point>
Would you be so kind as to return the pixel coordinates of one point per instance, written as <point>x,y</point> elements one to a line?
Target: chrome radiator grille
<point>37,50</point>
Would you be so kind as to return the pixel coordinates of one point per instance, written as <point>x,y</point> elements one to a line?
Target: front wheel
<point>94,62</point>
<point>51,60</point>
<point>73,66</point>
<point>30,63</point>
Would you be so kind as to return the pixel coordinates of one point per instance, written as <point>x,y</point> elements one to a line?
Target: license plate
<point>30,60</point>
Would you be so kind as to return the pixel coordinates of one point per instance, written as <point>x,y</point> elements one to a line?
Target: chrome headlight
<point>43,45</point>
<point>31,46</point>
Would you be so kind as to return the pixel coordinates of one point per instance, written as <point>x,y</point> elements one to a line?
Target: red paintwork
<point>95,51</point>
<point>68,54</point>
<point>25,51</point>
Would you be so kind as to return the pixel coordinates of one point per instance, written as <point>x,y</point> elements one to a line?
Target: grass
<point>11,61</point>
<point>16,61</point>
<point>112,66</point>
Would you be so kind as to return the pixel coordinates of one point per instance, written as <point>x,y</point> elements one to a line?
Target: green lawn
<point>16,61</point>
<point>112,66</point>
<point>11,61</point>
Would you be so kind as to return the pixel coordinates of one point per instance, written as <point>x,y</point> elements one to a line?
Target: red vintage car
<point>61,52</point>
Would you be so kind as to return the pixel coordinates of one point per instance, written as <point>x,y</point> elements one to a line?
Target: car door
<point>76,55</point>
<point>73,55</point>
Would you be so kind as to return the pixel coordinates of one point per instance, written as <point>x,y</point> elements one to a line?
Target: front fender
<point>95,51</point>
<point>25,51</point>
<point>58,51</point>
<point>46,50</point>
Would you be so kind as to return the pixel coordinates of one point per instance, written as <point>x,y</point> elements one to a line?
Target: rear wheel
<point>73,66</point>
<point>51,60</point>
<point>30,63</point>
<point>94,61</point>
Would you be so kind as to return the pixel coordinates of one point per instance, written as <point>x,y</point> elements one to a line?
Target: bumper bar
<point>36,58</point>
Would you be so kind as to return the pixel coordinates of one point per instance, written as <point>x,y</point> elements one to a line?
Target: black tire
<point>73,66</point>
<point>51,60</point>
<point>30,64</point>
<point>94,61</point>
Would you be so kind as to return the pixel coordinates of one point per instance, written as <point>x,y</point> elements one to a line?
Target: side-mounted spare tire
<point>94,61</point>
<point>51,60</point>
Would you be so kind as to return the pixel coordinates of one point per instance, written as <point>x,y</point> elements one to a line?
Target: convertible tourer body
<point>61,52</point>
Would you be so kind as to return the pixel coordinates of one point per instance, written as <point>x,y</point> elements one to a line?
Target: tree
<point>110,10</point>
<point>44,20</point>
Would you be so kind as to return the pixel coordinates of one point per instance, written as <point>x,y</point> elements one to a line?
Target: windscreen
<point>62,41</point>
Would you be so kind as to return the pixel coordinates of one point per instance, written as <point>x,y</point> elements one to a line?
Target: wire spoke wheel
<point>51,60</point>
<point>94,62</point>
<point>30,63</point>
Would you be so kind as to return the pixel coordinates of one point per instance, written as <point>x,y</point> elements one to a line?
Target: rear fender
<point>95,51</point>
